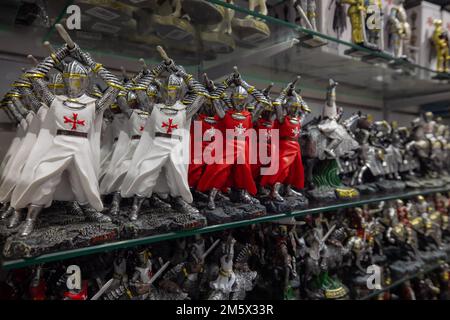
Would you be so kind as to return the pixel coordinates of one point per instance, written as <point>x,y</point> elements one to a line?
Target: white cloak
<point>63,167</point>
<point>160,164</point>
<point>123,153</point>
<point>9,180</point>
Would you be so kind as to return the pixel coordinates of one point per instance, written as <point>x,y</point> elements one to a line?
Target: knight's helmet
<point>428,116</point>
<point>239,97</point>
<point>56,83</point>
<point>152,92</point>
<point>294,104</point>
<point>76,79</point>
<point>174,89</point>
<point>330,108</point>
<point>132,100</point>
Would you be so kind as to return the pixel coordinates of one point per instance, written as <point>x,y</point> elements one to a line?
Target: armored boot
<point>292,193</point>
<point>136,207</point>
<point>211,199</point>
<point>94,215</point>
<point>221,196</point>
<point>115,204</point>
<point>5,214</point>
<point>275,194</point>
<point>263,192</point>
<point>76,209</point>
<point>29,224</point>
<point>245,197</point>
<point>155,201</point>
<point>15,218</point>
<point>180,204</point>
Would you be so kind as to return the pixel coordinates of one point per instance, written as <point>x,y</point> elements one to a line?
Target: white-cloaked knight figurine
<point>160,162</point>
<point>65,160</point>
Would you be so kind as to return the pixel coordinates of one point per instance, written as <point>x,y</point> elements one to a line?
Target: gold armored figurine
<point>356,12</point>
<point>441,44</point>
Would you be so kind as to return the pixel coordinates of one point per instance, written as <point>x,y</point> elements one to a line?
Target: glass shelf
<point>314,208</point>
<point>422,271</point>
<point>119,29</point>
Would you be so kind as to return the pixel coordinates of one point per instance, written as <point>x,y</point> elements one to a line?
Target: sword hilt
<point>49,46</point>
<point>33,60</point>
<point>64,35</point>
<point>163,54</point>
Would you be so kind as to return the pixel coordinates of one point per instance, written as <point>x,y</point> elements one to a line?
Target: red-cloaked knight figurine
<point>235,168</point>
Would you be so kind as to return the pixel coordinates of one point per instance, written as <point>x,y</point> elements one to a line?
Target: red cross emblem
<point>169,126</point>
<point>141,128</point>
<point>430,21</point>
<point>448,26</point>
<point>74,121</point>
<point>389,2</point>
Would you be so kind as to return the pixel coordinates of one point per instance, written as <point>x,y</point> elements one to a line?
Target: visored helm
<point>132,100</point>
<point>76,79</point>
<point>56,83</point>
<point>239,97</point>
<point>294,104</point>
<point>173,90</point>
<point>152,93</point>
<point>429,116</point>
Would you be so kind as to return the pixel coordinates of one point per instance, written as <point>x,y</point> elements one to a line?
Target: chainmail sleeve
<point>37,74</point>
<point>278,104</point>
<point>25,89</point>
<point>12,108</point>
<point>255,93</point>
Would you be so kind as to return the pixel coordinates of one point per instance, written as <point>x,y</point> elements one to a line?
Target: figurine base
<point>412,182</point>
<point>57,231</point>
<point>250,30</point>
<point>431,183</point>
<point>356,53</point>
<point>322,194</point>
<point>172,28</point>
<point>390,185</point>
<point>218,42</point>
<point>375,58</point>
<point>203,12</point>
<point>368,188</point>
<point>441,76</point>
<point>289,204</point>
<point>311,41</point>
<point>432,256</point>
<point>228,211</point>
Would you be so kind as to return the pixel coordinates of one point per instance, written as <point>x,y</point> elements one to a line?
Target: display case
<point>212,37</point>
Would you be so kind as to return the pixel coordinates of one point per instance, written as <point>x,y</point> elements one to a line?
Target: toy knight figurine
<point>70,141</point>
<point>208,119</point>
<point>223,285</point>
<point>399,30</point>
<point>441,44</point>
<point>289,108</point>
<point>163,149</point>
<point>325,141</point>
<point>356,13</point>
<point>236,121</point>
<point>128,139</point>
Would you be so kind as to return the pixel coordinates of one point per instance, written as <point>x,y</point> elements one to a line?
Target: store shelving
<point>423,271</point>
<point>279,54</point>
<point>314,208</point>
